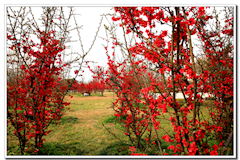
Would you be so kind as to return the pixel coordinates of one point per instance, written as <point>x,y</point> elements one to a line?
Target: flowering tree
<point>35,99</point>
<point>101,87</point>
<point>94,84</point>
<point>90,87</point>
<point>169,62</point>
<point>36,84</point>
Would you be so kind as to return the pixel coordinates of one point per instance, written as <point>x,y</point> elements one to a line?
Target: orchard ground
<point>80,131</point>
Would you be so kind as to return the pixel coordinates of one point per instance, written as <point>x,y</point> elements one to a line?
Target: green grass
<point>67,120</point>
<point>80,130</point>
<point>61,149</point>
<point>110,119</point>
<point>115,148</point>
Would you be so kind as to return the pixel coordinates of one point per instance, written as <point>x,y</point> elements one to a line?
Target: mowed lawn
<point>80,131</point>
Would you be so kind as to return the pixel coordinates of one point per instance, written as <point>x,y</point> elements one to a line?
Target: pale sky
<point>89,19</point>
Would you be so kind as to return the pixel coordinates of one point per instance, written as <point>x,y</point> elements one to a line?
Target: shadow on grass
<point>61,149</point>
<point>113,119</point>
<point>116,148</point>
<point>122,148</point>
<point>67,120</point>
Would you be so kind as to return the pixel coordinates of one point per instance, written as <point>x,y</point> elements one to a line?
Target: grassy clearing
<point>84,131</point>
<point>80,131</point>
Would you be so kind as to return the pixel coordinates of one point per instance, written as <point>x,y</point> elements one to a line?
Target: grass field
<point>80,131</point>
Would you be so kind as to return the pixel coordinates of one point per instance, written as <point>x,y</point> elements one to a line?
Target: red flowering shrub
<point>35,98</point>
<point>171,67</point>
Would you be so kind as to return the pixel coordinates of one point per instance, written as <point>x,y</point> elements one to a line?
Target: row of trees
<point>93,86</point>
<point>170,62</point>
